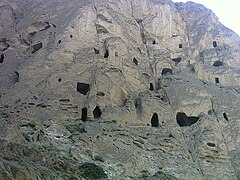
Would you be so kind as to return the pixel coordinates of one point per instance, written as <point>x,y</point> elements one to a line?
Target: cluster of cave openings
<point>216,80</point>
<point>180,46</point>
<point>135,61</point>
<point>154,120</point>
<point>214,43</point>
<point>83,88</point>
<point>151,87</point>
<point>225,116</point>
<point>2,58</point>
<point>217,63</point>
<point>84,114</point>
<point>106,54</point>
<point>166,71</point>
<point>184,120</point>
<point>97,112</point>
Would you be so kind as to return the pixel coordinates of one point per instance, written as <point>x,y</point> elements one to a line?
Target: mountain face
<point>126,89</point>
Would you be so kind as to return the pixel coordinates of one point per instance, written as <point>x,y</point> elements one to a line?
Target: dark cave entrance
<point>214,43</point>
<point>216,80</point>
<point>217,63</point>
<point>180,46</point>
<point>135,61</point>
<point>106,54</point>
<point>1,58</point>
<point>84,114</point>
<point>154,120</point>
<point>166,71</point>
<point>83,88</point>
<point>151,87</point>
<point>36,47</point>
<point>97,112</point>
<point>96,51</point>
<point>225,116</point>
<point>184,120</point>
<point>177,60</point>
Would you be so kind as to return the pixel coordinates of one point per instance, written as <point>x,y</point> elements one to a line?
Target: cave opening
<point>217,63</point>
<point>96,51</point>
<point>151,87</point>
<point>84,114</point>
<point>36,47</point>
<point>177,60</point>
<point>180,46</point>
<point>97,112</point>
<point>216,80</point>
<point>106,55</point>
<point>154,120</point>
<point>214,43</point>
<point>153,42</point>
<point>135,61</point>
<point>184,120</point>
<point>225,116</point>
<point>166,71</point>
<point>83,88</point>
<point>2,58</point>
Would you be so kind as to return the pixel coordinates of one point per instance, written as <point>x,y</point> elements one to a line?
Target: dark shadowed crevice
<point>84,114</point>
<point>166,71</point>
<point>154,120</point>
<point>83,88</point>
<point>97,112</point>
<point>184,120</point>
<point>16,77</point>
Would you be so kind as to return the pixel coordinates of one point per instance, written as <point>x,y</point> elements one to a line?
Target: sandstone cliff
<point>126,89</point>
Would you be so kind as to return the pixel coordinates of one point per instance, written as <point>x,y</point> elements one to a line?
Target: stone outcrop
<point>127,89</point>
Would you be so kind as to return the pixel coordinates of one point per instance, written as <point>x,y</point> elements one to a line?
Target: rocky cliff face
<point>123,89</point>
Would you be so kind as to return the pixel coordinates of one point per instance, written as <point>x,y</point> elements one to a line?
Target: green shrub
<point>91,171</point>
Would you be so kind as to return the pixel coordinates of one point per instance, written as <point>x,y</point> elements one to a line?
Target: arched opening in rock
<point>154,120</point>
<point>153,42</point>
<point>183,120</point>
<point>180,45</point>
<point>166,71</point>
<point>59,41</point>
<point>214,43</point>
<point>59,79</point>
<point>84,114</point>
<point>71,36</point>
<point>217,63</point>
<point>36,47</point>
<point>225,116</point>
<point>216,80</point>
<point>151,87</point>
<point>83,88</point>
<point>2,58</point>
<point>96,51</point>
<point>97,112</point>
<point>106,54</point>
<point>177,60</point>
<point>135,61</point>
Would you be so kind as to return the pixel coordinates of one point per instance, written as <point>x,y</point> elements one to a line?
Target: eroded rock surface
<point>128,89</point>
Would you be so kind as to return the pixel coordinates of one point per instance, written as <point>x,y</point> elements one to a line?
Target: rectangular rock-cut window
<point>180,45</point>
<point>216,80</point>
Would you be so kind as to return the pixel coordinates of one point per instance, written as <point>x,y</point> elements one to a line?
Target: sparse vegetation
<point>91,171</point>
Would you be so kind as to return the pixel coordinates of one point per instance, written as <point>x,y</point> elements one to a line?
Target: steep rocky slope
<point>127,89</point>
